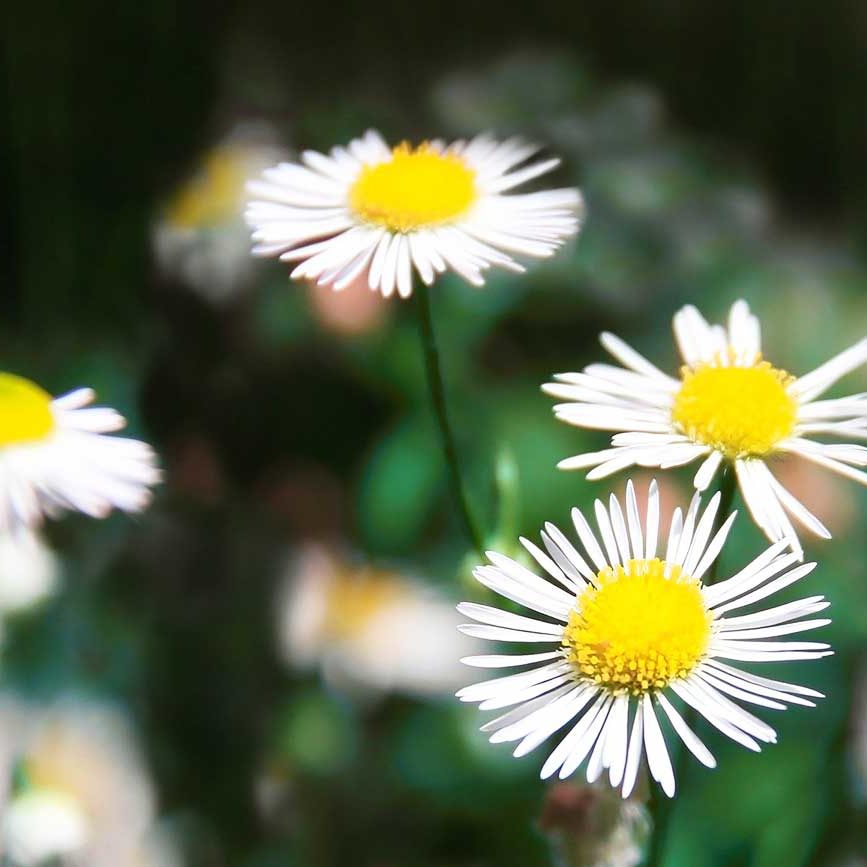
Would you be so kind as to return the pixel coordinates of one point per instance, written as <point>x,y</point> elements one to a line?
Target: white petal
<point>657,754</point>
<point>627,356</point>
<point>692,741</point>
<point>652,525</point>
<point>633,756</point>
<point>707,470</point>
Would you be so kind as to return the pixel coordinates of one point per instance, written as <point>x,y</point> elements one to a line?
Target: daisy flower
<point>73,786</point>
<point>627,630</point>
<point>367,209</point>
<point>200,237</point>
<point>369,631</point>
<point>54,455</point>
<point>729,406</point>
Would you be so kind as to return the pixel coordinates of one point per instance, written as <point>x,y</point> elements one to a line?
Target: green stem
<point>661,806</point>
<point>438,401</point>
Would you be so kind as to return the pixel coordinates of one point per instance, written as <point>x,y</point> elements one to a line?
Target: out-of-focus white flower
<point>72,786</point>
<point>41,825</point>
<point>728,407</point>
<point>379,212</point>
<point>201,238</point>
<point>368,629</point>
<point>55,455</point>
<point>29,570</point>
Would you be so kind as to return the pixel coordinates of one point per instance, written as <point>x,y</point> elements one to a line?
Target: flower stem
<point>438,401</point>
<point>727,486</point>
<point>661,806</point>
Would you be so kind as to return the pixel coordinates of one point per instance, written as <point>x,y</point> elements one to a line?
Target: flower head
<point>369,630</point>
<point>72,785</point>
<point>200,238</point>
<point>628,628</point>
<point>729,405</point>
<point>55,455</point>
<point>371,210</point>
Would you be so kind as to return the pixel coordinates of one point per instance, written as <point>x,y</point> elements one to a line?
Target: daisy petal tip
<point>568,464</point>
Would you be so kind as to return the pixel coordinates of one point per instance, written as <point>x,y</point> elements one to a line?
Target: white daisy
<point>631,630</point>
<point>73,787</point>
<point>54,455</point>
<point>200,237</point>
<point>369,631</point>
<point>728,406</point>
<point>370,209</point>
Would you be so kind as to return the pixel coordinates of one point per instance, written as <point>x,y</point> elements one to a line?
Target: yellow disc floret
<point>642,626</point>
<point>25,411</point>
<point>415,188</point>
<point>740,411</point>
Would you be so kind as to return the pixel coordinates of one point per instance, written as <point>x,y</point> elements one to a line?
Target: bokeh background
<point>257,672</point>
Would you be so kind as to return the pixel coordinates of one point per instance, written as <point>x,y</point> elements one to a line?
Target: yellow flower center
<point>740,411</point>
<point>414,188</point>
<point>25,411</point>
<point>641,627</point>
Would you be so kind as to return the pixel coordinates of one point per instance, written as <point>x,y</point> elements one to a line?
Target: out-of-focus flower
<point>368,629</point>
<point>628,630</point>
<point>729,406</point>
<point>54,455</point>
<point>72,786</point>
<point>29,570</point>
<point>368,209</point>
<point>591,827</point>
<point>200,237</point>
<point>354,311</point>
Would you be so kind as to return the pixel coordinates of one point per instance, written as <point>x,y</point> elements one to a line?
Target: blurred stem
<point>438,401</point>
<point>661,806</point>
<point>727,487</point>
<point>507,478</point>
